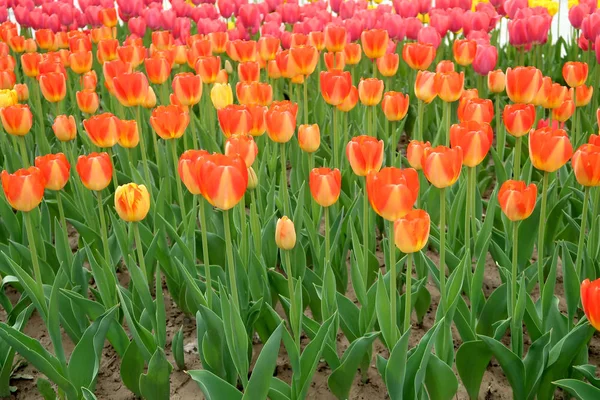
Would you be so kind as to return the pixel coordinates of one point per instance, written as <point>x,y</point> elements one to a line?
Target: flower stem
<point>179,189</point>
<point>284,185</point>
<point>407,295</point>
<point>447,123</point>
<point>61,211</point>
<point>34,255</point>
<point>586,199</point>
<point>305,102</point>
<point>443,248</point>
<point>230,263</point>
<point>290,282</point>
<point>140,250</point>
<point>336,140</point>
<point>114,170</point>
<point>420,109</point>
<point>513,281</point>
<point>143,150</point>
<point>517,158</point>
<point>540,245</point>
<point>23,150</point>
<point>500,133</point>
<point>205,252</point>
<point>104,231</point>
<point>365,229</point>
<point>393,289</point>
<point>243,228</point>
<point>327,238</point>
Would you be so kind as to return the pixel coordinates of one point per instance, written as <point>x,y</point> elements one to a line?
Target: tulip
<point>223,180</point>
<point>158,69</point>
<point>108,17</point>
<point>335,38</point>
<point>281,121</point>
<point>496,81</point>
<point>22,91</point>
<point>474,139</point>
<point>518,118</point>
<point>64,128</point>
<point>131,89</point>
<point>234,120</point>
<point>107,50</point>
<point>575,73</point>
<point>132,202</point>
<point>449,85</point>
<point>44,39</point>
<point>517,200</point>
<point>273,70</point>
<point>133,55</point>
<point>414,153</point>
<point>590,301</point>
<point>388,64</point>
<point>325,185</point>
<point>268,47</point>
<point>187,87</point>
<point>556,96</point>
<point>418,56</point>
<point>549,149</point>
<point>485,60</point>
<point>374,42</point>
<point>162,40</point>
<point>350,101</point>
<point>352,53</point>
<point>150,100</point>
<point>335,86</point>
<point>53,86</point>
<point>392,191</point>
<point>95,170</point>
<point>394,105</point>
<point>564,111</point>
<point>221,95</point>
<point>583,95</point>
<point>87,101</point>
<point>23,189</point>
<point>305,59</point>
<point>586,165</point>
<point>30,63</point>
<point>102,129</point>
<point>442,165</point>
<point>285,234</point>
<point>479,110</point>
<point>242,51</point>
<point>334,61</point>
<point>370,91</point>
<point>169,122</point>
<point>81,62</point>
<point>425,89</point>
<point>208,68</point>
<point>128,134</point>
<point>8,97</point>
<point>523,83</point>
<point>187,167</point>
<point>412,231</point>
<point>16,119</point>
<point>55,170</point>
<point>445,66</point>
<point>243,146</point>
<point>365,154</point>
<point>464,51</point>
<point>309,138</point>
<point>258,125</point>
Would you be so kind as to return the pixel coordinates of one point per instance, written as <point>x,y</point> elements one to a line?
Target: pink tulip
<point>517,32</point>
<point>290,12</point>
<point>590,26</point>
<point>406,8</point>
<point>428,35</point>
<point>440,20</point>
<point>512,6</point>
<point>577,14</point>
<point>181,28</point>
<point>394,24</point>
<point>250,17</point>
<point>485,60</point>
<point>456,19</point>
<point>137,26</point>
<point>226,8</point>
<point>538,27</point>
<point>413,26</point>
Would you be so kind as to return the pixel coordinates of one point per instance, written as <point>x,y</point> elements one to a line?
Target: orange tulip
<point>158,69</point>
<point>541,96</point>
<point>374,42</point>
<point>305,59</point>
<point>17,44</point>
<point>425,89</point>
<point>365,154</point>
<point>249,71</point>
<point>22,92</point>
<point>108,17</point>
<point>309,137</point>
<point>88,101</point>
<point>162,40</point>
<point>298,39</point>
<point>243,146</point>
<point>411,232</point>
<point>517,200</point>
<point>464,51</point>
<point>30,62</point>
<point>64,128</point>
<point>388,64</point>
<point>590,301</point>
<point>222,76</point>
<point>188,167</point>
<point>285,233</point>
<point>258,125</point>
<point>128,135</point>
<point>449,85</point>
<point>370,91</point>
<point>523,83</point>
<point>350,101</point>
<point>187,87</point>
<point>335,86</point>
<point>16,119</point>
<point>557,95</point>
<point>7,79</point>
<point>131,89</point>
<point>518,118</point>
<point>95,170</point>
<point>23,189</point>
<point>395,105</point>
<point>549,149</point>
<point>418,56</point>
<point>586,165</point>
<point>334,61</point>
<point>352,53</point>
<point>444,66</point>
<point>474,139</point>
<point>496,81</point>
<point>7,63</point>
<point>442,165</point>
<point>414,153</point>
<point>223,180</point>
<point>286,67</point>
<point>268,47</point>
<point>281,121</point>
<point>392,191</point>
<point>55,169</point>
<point>325,185</point>
<point>30,46</point>
<point>107,50</point>
<point>81,62</point>
<point>53,86</point>
<point>234,120</point>
<point>479,110</point>
<point>169,122</point>
<point>242,50</point>
<point>575,73</point>
<point>150,100</point>
<point>219,41</point>
<point>132,202</point>
<point>208,68</point>
<point>250,93</point>
<point>565,111</point>
<point>102,129</point>
<point>111,70</point>
<point>44,39</point>
<point>317,40</point>
<point>133,55</point>
<point>466,96</point>
<point>335,38</point>
<point>583,95</point>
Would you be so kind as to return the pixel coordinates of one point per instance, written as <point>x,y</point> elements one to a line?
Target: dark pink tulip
<point>456,19</point>
<point>66,13</point>
<point>129,8</point>
<point>286,40</point>
<point>35,18</point>
<point>538,27</point>
<point>181,8</point>
<point>491,12</point>
<point>440,20</point>
<point>314,25</point>
<point>475,21</point>
<point>22,15</point>
<point>590,26</point>
<point>480,37</point>
<point>153,19</point>
<point>181,28</point>
<point>273,4</point>
<point>91,14</point>
<point>517,32</point>
<point>543,123</point>
<point>413,26</point>
<point>226,8</point>
<point>577,14</point>
<point>335,5</point>
<point>205,11</point>
<point>424,6</point>
<point>3,13</point>
<point>512,6</point>
<point>273,17</point>
<point>290,12</point>
<point>107,3</point>
<point>406,8</point>
<point>428,35</point>
<point>137,26</point>
<point>394,24</point>
<point>51,22</point>
<point>271,29</point>
<point>592,4</point>
<point>596,46</point>
<point>353,29</point>
<point>347,9</point>
<point>249,15</point>
<point>485,60</point>
<point>167,19</point>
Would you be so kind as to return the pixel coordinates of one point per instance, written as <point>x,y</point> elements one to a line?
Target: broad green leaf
<point>155,384</point>
<point>535,362</point>
<point>258,385</point>
<point>213,387</point>
<point>279,390</point>
<point>177,349</point>
<point>45,388</point>
<point>440,380</point>
<point>589,372</point>
<point>472,359</point>
<point>579,389</point>
<point>132,366</point>
<point>235,335</point>
<point>511,365</point>
<point>396,368</point>
<point>87,394</point>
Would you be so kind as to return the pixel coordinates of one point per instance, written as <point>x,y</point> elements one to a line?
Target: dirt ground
<point>109,386</point>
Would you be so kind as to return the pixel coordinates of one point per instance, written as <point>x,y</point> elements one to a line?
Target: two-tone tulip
<point>517,200</point>
<point>55,169</point>
<point>586,165</point>
<point>169,122</point>
<point>518,118</point>
<point>523,83</point>
<point>442,165</point>
<point>411,231</point>
<point>132,202</point>
<point>309,138</point>
<point>95,170</point>
<point>335,86</point>
<point>281,121</point>
<point>223,180</point>
<point>23,189</point>
<point>414,153</point>
<point>285,233</point>
<point>475,140</point>
<point>243,146</point>
<point>549,149</point>
<point>234,120</point>
<point>17,119</point>
<point>418,56</point>
<point>325,185</point>
<point>392,191</point>
<point>102,129</point>
<point>575,73</point>
<point>370,91</point>
<point>365,154</point>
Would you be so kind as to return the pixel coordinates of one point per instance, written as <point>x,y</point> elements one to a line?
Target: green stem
<point>336,140</point>
<point>230,264</point>
<point>305,102</point>
<point>469,212</point>
<point>23,150</point>
<point>61,211</point>
<point>586,199</point>
<point>443,248</point>
<point>140,250</point>
<point>368,120</point>
<point>447,123</point>
<point>255,225</point>
<point>243,228</point>
<point>540,245</point>
<point>500,133</point>
<point>407,295</point>
<point>34,256</point>
<point>284,185</point>
<point>517,158</point>
<point>393,289</point>
<point>104,231</point>
<point>514,272</point>
<point>365,229</point>
<point>290,282</point>
<point>205,252</point>
<point>327,238</point>
<point>179,189</point>
<point>143,150</point>
<point>575,126</point>
<point>114,170</point>
<point>420,110</point>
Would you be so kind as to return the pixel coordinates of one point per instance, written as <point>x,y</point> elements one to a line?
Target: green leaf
<point>472,359</point>
<point>417,362</point>
<point>132,366</point>
<point>177,348</point>
<point>511,365</point>
<point>535,362</point>
<point>589,372</point>
<point>87,394</point>
<point>396,368</point>
<point>570,282</point>
<point>235,335</point>
<point>45,388</point>
<point>440,380</point>
<point>279,390</point>
<point>258,385</point>
<point>31,287</point>
<point>155,384</point>
<point>382,306</point>
<point>579,389</point>
<point>213,387</point>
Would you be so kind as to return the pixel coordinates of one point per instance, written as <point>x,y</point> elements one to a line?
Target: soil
<point>109,386</point>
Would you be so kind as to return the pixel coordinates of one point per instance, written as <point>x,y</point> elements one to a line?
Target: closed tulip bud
<point>53,86</point>
<point>95,170</point>
<point>188,166</point>
<point>352,53</point>
<point>81,62</point>
<point>55,169</point>
<point>564,112</point>
<point>517,200</point>
<point>411,232</point>
<point>393,191</point>
<point>108,17</point>
<point>285,233</point>
<point>425,89</point>
<point>102,129</point>
<point>150,100</point>
<point>523,83</point>
<point>223,180</point>
<point>583,95</point>
<point>16,119</point>
<point>30,62</point>
<point>325,185</point>
<point>131,89</point>
<point>158,69</point>
<point>242,50</point>
<point>449,85</point>
<point>317,40</point>
<point>586,165</point>
<point>243,146</point>
<point>350,101</point>
<point>575,73</point>
<point>249,71</point>
<point>590,301</point>
<point>335,38</point>
<point>549,149</point>
<point>234,120</point>
<point>281,121</point>
<point>128,134</point>
<point>388,64</point>
<point>541,97</point>
<point>479,110</point>
<point>89,80</point>
<point>64,128</point>
<point>309,137</point>
<point>464,51</point>
<point>305,59</point>
<point>187,87</point>
<point>222,77</point>
<point>414,153</point>
<point>8,97</point>
<point>370,91</point>
<point>445,66</point>
<point>87,101</point>
<point>169,122</point>
<point>252,179</point>
<point>23,189</point>
<point>518,118</point>
<point>365,154</point>
<point>268,47</point>
<point>132,202</point>
<point>133,55</point>
<point>374,42</point>
<point>334,61</point>
<point>273,70</point>
<point>22,91</point>
<point>557,95</point>
<point>418,56</point>
<point>474,139</point>
<point>162,40</point>
<point>496,81</point>
<point>395,105</point>
<point>221,95</point>
<point>442,165</point>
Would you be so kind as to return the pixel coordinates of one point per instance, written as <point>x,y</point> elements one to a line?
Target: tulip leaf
<point>382,309</point>
<point>440,381</point>
<point>511,365</point>
<point>132,366</point>
<point>535,363</point>
<point>395,368</point>
<point>213,387</point>
<point>589,372</point>
<point>472,359</point>
<point>45,388</point>
<point>235,335</point>
<point>570,282</point>
<point>579,389</point>
<point>279,390</point>
<point>258,385</point>
<point>177,348</point>
<point>155,384</point>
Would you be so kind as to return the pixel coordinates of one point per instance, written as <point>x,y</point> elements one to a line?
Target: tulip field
<point>285,200</point>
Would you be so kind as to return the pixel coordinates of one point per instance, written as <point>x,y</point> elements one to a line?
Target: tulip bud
<point>325,185</point>
<point>221,95</point>
<point>414,153</point>
<point>55,169</point>
<point>411,232</point>
<point>252,179</point>
<point>309,137</point>
<point>132,202</point>
<point>285,233</point>
<point>228,67</point>
<point>517,200</point>
<point>23,189</point>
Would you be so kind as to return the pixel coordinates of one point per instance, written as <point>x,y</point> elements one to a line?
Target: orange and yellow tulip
<point>309,138</point>
<point>352,53</point>
<point>393,191</point>
<point>476,109</point>
<point>411,231</point>
<point>496,81</point>
<point>334,61</point>
<point>188,167</point>
<point>374,42</point>
<point>268,46</point>
<point>549,149</point>
<point>16,119</point>
<point>102,129</point>
<point>169,122</point>
<point>158,69</point>
<point>64,128</point>
<point>583,95</point>
<point>388,64</point>
<point>223,180</point>
<point>418,56</point>
<point>517,200</point>
<point>350,101</point>
<point>564,111</point>
<point>464,51</point>
<point>285,233</point>
<point>475,140</point>
<point>586,165</point>
<point>53,86</point>
<point>575,73</point>
<point>518,118</point>
<point>23,189</point>
<point>87,101</point>
<point>128,134</point>
<point>30,62</point>
<point>414,153</point>
<point>523,83</point>
<point>280,119</point>
<point>365,154</point>
<point>249,71</point>
<point>187,87</point>
<point>395,105</point>
<point>131,89</point>
<point>81,62</point>
<point>258,124</point>
<point>107,50</point>
<point>95,170</point>
<point>305,59</point>
<point>442,165</point>
<point>243,146</point>
<point>132,202</point>
<point>425,89</point>
<point>325,185</point>
<point>55,169</point>
<point>590,301</point>
<point>335,38</point>
<point>449,85</point>
<point>234,120</point>
<point>370,91</point>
